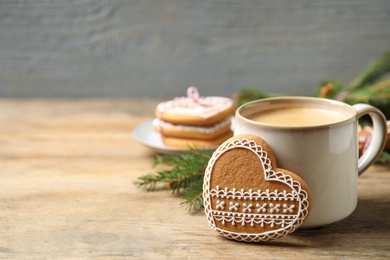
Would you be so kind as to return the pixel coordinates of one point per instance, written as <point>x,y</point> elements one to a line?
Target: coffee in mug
<point>316,139</point>
<point>298,116</point>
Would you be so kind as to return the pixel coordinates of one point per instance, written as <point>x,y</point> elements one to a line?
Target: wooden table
<point>67,169</point>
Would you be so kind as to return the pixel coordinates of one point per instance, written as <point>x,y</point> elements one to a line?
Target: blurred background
<point>151,48</point>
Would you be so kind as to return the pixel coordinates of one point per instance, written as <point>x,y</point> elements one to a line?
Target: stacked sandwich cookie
<point>194,121</point>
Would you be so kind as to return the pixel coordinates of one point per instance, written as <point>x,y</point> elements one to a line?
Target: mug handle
<point>378,137</point>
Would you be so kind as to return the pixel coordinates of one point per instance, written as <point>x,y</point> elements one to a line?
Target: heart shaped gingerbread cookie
<point>247,197</point>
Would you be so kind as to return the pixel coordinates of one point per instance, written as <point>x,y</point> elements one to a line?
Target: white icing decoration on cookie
<point>234,206</point>
<point>247,208</point>
<point>243,195</point>
<point>220,204</point>
<point>261,208</point>
<point>284,214</point>
<point>288,208</point>
<point>274,208</point>
<point>194,105</point>
<point>160,124</point>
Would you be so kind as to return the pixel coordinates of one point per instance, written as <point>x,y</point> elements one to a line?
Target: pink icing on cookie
<point>366,140</point>
<point>193,93</point>
<point>193,104</point>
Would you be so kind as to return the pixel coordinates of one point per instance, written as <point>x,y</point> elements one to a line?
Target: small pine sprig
<point>384,158</point>
<point>249,94</point>
<point>370,76</point>
<point>329,89</point>
<point>184,176</point>
<point>373,72</point>
<point>193,195</point>
<point>377,95</point>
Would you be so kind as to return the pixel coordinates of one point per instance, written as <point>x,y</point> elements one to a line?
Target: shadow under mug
<point>324,156</point>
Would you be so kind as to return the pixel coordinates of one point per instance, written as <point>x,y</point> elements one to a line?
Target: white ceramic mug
<point>324,156</point>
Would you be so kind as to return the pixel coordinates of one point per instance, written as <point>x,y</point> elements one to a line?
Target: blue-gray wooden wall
<point>157,48</point>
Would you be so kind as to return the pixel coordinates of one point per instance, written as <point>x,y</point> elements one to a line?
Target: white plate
<point>145,134</point>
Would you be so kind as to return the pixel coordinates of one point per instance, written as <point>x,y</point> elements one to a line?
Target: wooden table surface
<point>67,169</point>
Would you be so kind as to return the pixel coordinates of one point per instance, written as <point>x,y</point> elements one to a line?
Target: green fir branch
<point>249,94</point>
<point>383,158</point>
<point>330,89</point>
<point>193,195</point>
<point>184,176</point>
<point>377,95</point>
<point>372,73</point>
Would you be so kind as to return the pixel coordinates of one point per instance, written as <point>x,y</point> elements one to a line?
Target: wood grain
<point>67,169</point>
<point>131,48</point>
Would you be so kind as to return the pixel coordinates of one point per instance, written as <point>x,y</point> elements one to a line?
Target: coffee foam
<point>298,116</point>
